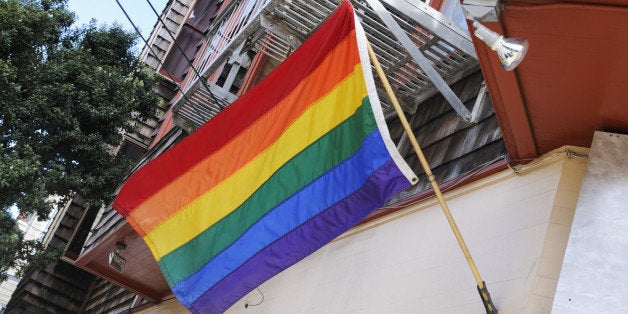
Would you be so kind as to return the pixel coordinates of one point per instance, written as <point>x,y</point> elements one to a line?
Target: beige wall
<point>516,226</point>
<point>594,276</point>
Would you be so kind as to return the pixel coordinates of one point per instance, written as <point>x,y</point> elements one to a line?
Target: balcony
<point>277,27</point>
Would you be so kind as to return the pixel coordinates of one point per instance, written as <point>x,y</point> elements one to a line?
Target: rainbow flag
<point>289,166</point>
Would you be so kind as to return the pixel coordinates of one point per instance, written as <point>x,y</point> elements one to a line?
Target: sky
<point>108,12</point>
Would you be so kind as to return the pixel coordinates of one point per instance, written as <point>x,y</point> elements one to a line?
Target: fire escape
<point>422,51</point>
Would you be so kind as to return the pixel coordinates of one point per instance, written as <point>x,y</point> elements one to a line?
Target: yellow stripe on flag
<point>216,203</point>
<point>224,162</point>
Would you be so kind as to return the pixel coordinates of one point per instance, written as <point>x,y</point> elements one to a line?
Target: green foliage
<point>66,93</point>
<point>10,239</point>
<point>19,254</point>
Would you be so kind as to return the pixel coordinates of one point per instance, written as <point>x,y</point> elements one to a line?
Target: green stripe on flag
<point>343,140</point>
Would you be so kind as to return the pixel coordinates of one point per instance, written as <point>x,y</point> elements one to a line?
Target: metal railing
<point>277,27</point>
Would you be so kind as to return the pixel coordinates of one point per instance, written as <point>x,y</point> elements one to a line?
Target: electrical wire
<point>168,299</point>
<point>143,38</point>
<point>161,64</point>
<point>567,153</point>
<point>455,182</point>
<point>190,63</point>
<point>133,307</point>
<point>452,183</point>
<point>246,305</point>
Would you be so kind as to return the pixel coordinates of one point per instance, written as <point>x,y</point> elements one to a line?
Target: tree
<point>66,95</point>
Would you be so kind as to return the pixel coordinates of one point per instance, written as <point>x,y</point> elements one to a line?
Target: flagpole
<point>486,298</point>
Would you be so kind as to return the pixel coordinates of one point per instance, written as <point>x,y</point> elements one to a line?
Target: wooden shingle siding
<point>60,287</point>
<point>451,146</point>
<point>106,297</point>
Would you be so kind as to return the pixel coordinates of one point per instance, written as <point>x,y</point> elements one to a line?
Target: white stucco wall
<point>515,225</point>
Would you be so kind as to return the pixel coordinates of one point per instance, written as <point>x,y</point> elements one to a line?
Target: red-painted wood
<point>573,81</point>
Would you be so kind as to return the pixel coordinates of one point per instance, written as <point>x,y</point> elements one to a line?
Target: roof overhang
<point>572,81</point>
<point>141,273</point>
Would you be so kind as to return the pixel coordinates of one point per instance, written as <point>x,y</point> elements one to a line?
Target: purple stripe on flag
<point>302,241</point>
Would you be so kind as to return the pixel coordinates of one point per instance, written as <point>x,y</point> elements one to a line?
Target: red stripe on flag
<point>232,120</point>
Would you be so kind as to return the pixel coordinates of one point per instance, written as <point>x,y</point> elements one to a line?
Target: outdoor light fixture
<point>116,261</point>
<point>509,50</point>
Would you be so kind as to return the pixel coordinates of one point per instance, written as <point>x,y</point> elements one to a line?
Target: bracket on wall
<point>420,59</point>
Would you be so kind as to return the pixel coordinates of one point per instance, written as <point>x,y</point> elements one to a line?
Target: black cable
<point>143,39</point>
<point>246,305</point>
<point>154,54</point>
<point>200,77</point>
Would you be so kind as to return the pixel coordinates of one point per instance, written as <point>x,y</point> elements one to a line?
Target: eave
<point>572,81</point>
<point>141,274</point>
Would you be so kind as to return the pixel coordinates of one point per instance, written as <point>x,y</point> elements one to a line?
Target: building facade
<point>514,153</point>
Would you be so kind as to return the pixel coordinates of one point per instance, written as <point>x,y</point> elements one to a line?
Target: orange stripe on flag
<point>248,144</point>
